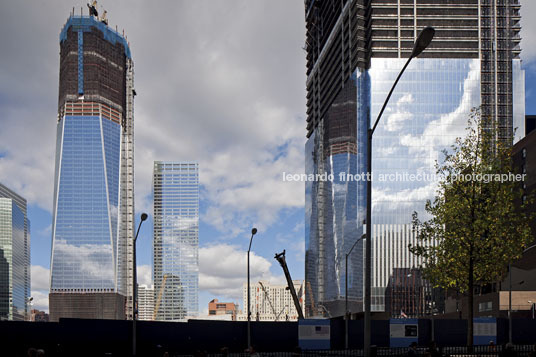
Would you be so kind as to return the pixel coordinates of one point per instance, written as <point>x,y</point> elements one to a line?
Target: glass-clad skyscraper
<point>93,225</point>
<point>355,50</point>
<point>176,239</point>
<point>15,284</point>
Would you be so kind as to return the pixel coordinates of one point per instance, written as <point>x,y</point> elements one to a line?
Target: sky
<point>218,82</point>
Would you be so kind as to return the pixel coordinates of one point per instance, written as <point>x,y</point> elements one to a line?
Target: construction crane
<point>281,259</point>
<point>269,301</point>
<point>159,297</point>
<point>280,312</point>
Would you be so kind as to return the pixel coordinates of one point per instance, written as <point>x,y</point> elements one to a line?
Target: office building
<point>355,50</point>
<point>15,275</point>
<point>271,302</point>
<point>145,302</point>
<point>93,210</point>
<point>218,310</point>
<point>176,239</point>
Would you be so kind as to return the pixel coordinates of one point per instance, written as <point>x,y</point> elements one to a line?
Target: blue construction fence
<point>77,337</point>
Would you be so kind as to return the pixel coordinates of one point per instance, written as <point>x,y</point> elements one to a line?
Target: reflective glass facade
<point>332,211</point>
<point>85,228</point>
<point>518,100</point>
<point>473,61</point>
<point>428,110</point>
<point>93,212</point>
<point>14,285</point>
<point>176,239</point>
<point>15,266</point>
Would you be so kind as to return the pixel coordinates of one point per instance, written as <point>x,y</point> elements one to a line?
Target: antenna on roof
<point>93,9</point>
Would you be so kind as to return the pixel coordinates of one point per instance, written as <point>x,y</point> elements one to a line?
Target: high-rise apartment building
<point>93,211</point>
<point>145,302</point>
<point>355,50</point>
<point>271,302</point>
<point>176,239</point>
<point>15,275</point>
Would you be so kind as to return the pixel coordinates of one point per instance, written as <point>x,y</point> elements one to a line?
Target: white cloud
<point>402,114</point>
<point>40,285</point>
<point>222,90</point>
<point>47,231</point>
<point>40,278</point>
<point>40,300</point>
<point>424,147</point>
<point>299,248</point>
<point>433,136</point>
<point>223,270</point>
<point>92,260</point>
<point>223,106</point>
<point>299,227</point>
<point>145,275</point>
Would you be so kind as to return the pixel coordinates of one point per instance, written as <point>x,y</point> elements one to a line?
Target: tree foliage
<point>475,229</point>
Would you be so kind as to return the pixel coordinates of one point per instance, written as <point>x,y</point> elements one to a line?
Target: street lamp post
<point>134,283</point>
<point>509,302</point>
<point>29,303</point>
<point>346,314</point>
<point>424,39</point>
<point>253,232</point>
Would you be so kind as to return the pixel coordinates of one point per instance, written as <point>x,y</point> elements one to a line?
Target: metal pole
<point>346,306</point>
<point>424,39</point>
<point>510,303</point>
<point>368,261</point>
<point>347,311</point>
<point>368,243</point>
<point>249,312</point>
<point>134,283</point>
<point>253,231</point>
<point>433,328</point>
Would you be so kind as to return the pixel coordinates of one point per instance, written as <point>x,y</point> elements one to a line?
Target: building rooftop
<point>86,23</point>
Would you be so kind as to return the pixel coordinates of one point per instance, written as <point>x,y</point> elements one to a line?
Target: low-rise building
<point>38,316</point>
<point>222,310</point>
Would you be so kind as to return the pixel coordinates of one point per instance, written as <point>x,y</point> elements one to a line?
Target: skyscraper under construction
<point>93,212</point>
<point>355,50</point>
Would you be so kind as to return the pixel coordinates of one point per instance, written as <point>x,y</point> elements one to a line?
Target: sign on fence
<point>402,332</point>
<point>484,330</point>
<point>314,334</point>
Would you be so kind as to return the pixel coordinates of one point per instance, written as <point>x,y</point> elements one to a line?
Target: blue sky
<point>221,83</point>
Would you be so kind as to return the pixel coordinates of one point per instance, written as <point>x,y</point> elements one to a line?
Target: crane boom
<point>281,259</point>
<point>159,297</point>
<point>269,301</point>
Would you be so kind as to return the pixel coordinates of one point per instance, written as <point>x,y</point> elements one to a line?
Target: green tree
<point>475,229</point>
